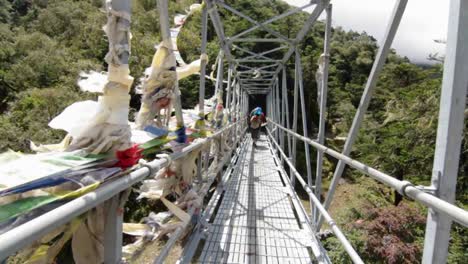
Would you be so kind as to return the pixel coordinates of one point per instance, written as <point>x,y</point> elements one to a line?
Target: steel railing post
<point>304,123</point>
<point>112,237</point>
<point>167,41</point>
<point>219,78</point>
<point>282,119</point>
<point>203,62</point>
<point>449,131</point>
<point>294,140</point>
<point>278,106</point>
<point>228,88</point>
<point>286,113</point>
<point>323,105</point>
<point>113,228</point>
<point>201,93</point>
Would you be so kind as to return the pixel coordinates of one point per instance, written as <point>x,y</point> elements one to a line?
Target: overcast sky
<point>423,21</point>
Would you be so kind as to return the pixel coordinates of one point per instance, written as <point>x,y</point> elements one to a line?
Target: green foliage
<point>26,118</point>
<point>5,9</point>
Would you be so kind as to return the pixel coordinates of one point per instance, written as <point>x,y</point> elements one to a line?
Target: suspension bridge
<point>254,214</point>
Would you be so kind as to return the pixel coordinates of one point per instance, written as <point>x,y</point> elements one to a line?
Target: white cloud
<point>423,21</point>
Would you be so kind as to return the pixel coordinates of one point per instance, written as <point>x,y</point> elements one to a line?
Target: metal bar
<point>251,20</point>
<point>303,31</point>
<point>277,107</point>
<point>218,26</point>
<point>229,84</point>
<point>266,67</point>
<point>304,123</point>
<point>204,29</point>
<point>247,104</point>
<point>273,105</point>
<point>201,93</point>
<point>262,54</point>
<point>384,49</point>
<point>254,80</point>
<point>335,229</point>
<point>404,187</point>
<point>286,113</point>
<point>113,231</point>
<point>449,131</point>
<point>252,54</point>
<point>253,88</point>
<point>268,104</point>
<point>253,69</point>
<point>269,21</point>
<point>247,67</point>
<point>258,40</point>
<point>125,7</point>
<point>323,104</point>
<point>219,75</point>
<point>234,106</point>
<point>282,117</point>
<point>112,237</point>
<point>256,84</point>
<point>166,37</point>
<point>233,96</point>
<point>257,60</point>
<point>295,109</point>
<point>250,88</point>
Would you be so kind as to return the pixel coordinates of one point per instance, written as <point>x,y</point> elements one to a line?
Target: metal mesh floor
<point>255,221</point>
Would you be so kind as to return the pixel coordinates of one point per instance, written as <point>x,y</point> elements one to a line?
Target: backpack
<point>255,122</point>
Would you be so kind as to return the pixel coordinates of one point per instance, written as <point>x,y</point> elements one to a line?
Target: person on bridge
<point>257,119</point>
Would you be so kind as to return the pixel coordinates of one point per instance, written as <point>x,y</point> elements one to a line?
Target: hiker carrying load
<point>257,119</point>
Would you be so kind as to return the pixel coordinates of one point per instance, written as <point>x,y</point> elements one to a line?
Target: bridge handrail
<point>203,191</point>
<point>25,234</point>
<point>405,188</point>
<point>335,229</point>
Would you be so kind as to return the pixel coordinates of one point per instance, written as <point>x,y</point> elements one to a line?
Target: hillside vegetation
<point>45,44</point>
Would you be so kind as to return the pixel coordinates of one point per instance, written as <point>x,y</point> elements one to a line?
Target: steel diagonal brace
<point>218,25</point>
<point>257,61</point>
<point>269,21</point>
<point>246,17</point>
<point>254,55</point>
<point>321,5</point>
<point>262,54</point>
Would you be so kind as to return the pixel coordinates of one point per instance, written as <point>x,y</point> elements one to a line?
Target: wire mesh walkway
<point>257,218</point>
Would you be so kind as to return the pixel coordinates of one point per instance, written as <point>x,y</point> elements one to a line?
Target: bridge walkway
<point>257,218</point>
